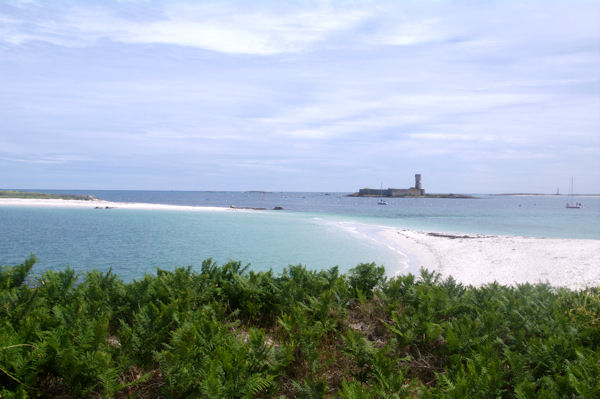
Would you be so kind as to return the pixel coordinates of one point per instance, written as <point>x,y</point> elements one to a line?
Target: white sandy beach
<point>470,259</point>
<point>481,259</point>
<point>60,203</point>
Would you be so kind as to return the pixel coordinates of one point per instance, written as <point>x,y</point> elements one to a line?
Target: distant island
<point>544,195</point>
<point>34,195</point>
<point>414,192</point>
<point>450,195</point>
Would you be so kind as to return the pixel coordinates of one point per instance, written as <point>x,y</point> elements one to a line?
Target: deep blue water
<point>309,231</point>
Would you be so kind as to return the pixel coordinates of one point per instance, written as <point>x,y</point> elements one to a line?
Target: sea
<point>316,229</point>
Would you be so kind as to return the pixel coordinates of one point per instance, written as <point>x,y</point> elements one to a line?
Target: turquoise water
<point>135,242</point>
<point>532,216</point>
<point>319,230</point>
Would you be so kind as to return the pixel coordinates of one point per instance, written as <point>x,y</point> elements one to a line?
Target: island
<point>35,195</point>
<point>413,192</point>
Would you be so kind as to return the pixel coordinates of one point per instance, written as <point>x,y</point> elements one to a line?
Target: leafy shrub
<point>365,277</point>
<point>12,277</point>
<point>226,332</point>
<point>204,359</point>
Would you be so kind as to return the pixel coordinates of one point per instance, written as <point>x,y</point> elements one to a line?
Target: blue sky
<point>477,96</point>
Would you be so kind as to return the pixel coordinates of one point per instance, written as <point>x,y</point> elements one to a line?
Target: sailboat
<point>381,200</point>
<point>570,203</point>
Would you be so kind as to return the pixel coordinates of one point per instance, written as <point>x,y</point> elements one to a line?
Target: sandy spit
<point>481,259</point>
<point>60,203</point>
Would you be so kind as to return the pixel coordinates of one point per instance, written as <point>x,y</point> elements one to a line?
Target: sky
<point>477,96</point>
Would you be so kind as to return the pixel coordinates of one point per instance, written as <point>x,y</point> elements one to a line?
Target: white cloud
<point>407,33</point>
<point>220,27</point>
<point>447,137</point>
<point>46,160</point>
<point>433,80</point>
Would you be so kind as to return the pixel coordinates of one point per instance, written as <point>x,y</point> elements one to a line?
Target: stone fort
<point>415,191</point>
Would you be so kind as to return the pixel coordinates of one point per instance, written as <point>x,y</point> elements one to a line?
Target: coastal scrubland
<point>35,195</point>
<point>229,332</point>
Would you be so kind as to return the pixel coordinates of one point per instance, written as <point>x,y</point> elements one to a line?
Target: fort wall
<point>391,192</point>
<point>415,191</point>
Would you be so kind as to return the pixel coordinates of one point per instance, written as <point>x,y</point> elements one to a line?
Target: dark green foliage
<point>204,358</point>
<point>224,332</point>
<point>12,277</point>
<point>29,194</point>
<point>365,277</point>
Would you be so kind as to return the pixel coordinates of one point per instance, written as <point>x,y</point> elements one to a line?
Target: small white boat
<point>381,200</point>
<point>570,203</point>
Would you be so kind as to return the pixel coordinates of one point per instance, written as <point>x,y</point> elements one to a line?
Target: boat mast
<point>570,203</point>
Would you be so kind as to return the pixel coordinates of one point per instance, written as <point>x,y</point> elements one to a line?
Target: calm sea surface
<point>312,230</point>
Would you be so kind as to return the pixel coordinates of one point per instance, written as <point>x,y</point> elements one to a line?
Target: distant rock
<point>247,207</point>
<point>278,208</point>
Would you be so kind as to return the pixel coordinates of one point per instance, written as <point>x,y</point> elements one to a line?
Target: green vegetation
<point>27,194</point>
<point>225,332</point>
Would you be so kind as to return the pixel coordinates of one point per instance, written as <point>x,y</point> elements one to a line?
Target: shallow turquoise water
<point>135,242</point>
<point>312,231</point>
<point>532,216</point>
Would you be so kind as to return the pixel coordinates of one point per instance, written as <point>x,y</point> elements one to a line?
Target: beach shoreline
<point>482,259</point>
<point>102,204</point>
<point>479,259</point>
<point>470,259</point>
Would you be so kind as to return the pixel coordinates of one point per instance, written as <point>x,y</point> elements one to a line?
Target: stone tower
<point>418,181</point>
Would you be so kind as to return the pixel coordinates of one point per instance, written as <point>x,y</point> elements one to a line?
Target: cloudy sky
<point>477,96</point>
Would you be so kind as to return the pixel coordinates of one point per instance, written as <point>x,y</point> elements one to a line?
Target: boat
<point>570,203</point>
<point>381,200</point>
